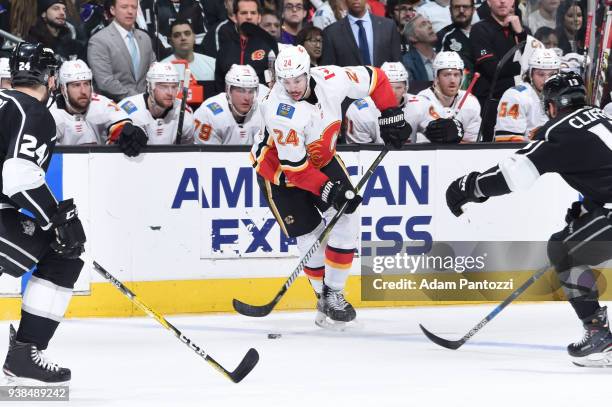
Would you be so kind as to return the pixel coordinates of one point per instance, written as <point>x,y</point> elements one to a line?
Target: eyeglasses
<point>294,7</point>
<point>318,40</point>
<point>459,7</point>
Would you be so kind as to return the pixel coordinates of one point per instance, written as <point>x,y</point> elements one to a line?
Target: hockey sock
<point>337,265</point>
<point>315,276</point>
<point>580,287</point>
<point>584,307</point>
<point>43,307</point>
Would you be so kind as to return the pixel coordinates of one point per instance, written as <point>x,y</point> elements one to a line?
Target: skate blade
<point>603,359</point>
<point>323,321</point>
<point>15,381</point>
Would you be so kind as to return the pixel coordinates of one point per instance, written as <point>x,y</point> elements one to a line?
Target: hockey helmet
<point>5,69</point>
<point>32,64</point>
<point>543,58</point>
<point>564,90</point>
<point>241,76</point>
<point>73,71</point>
<point>447,60</point>
<point>161,72</point>
<point>292,62</point>
<point>395,71</point>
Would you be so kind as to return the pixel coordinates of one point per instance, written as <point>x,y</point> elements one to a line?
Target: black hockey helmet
<point>564,90</point>
<point>32,64</point>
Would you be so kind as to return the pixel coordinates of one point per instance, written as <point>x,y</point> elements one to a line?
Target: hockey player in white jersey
<point>436,109</point>
<point>231,117</point>
<point>5,74</point>
<point>157,110</point>
<point>84,117</point>
<point>362,115</point>
<point>520,111</point>
<point>300,173</point>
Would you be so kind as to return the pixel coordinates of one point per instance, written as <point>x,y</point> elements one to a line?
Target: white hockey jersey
<point>93,127</point>
<point>519,113</point>
<point>161,130</point>
<point>427,108</point>
<point>608,109</point>
<point>300,137</point>
<point>215,123</point>
<point>362,121</point>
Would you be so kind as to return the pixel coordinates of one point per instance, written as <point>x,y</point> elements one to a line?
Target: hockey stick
<point>467,93</point>
<point>445,343</point>
<point>498,69</point>
<point>263,310</point>
<point>244,368</point>
<point>601,69</point>
<point>589,47</point>
<point>185,93</point>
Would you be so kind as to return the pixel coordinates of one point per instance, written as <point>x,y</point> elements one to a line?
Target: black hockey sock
<point>584,307</point>
<point>36,330</point>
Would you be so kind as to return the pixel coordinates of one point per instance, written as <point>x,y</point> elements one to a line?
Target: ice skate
<point>595,348</point>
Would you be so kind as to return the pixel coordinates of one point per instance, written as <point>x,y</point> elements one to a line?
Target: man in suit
<point>120,55</point>
<point>419,59</point>
<point>360,38</point>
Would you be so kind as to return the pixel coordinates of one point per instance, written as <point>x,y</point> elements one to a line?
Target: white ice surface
<point>519,359</point>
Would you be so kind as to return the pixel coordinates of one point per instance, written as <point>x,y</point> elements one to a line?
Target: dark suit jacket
<point>340,47</point>
<point>414,65</point>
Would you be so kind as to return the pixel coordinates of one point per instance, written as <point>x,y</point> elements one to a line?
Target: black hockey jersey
<point>577,146</point>
<point>27,140</point>
<point>168,11</point>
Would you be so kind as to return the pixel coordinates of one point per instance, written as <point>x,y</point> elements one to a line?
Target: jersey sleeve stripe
<point>287,165</point>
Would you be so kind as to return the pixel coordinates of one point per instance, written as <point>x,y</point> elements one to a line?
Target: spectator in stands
<point>455,37</point>
<point>401,11</point>
<point>52,30</point>
<point>182,39</point>
<point>159,15</point>
<point>271,23</point>
<point>246,44</point>
<point>311,38</point>
<point>225,28</point>
<point>23,16</point>
<point>95,15</point>
<point>491,38</point>
<point>330,12</point>
<point>436,11</point>
<point>360,38</point>
<point>120,55</point>
<point>548,36</point>
<point>419,59</point>
<point>570,26</point>
<point>5,74</point>
<point>294,13</point>
<point>544,16</point>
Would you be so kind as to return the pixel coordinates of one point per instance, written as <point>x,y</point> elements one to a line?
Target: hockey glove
<point>446,131</point>
<point>69,234</point>
<point>574,212</point>
<point>393,127</point>
<point>132,140</point>
<point>337,193</point>
<point>461,191</point>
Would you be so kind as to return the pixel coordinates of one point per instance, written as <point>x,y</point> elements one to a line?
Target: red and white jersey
<point>519,113</point>
<point>215,123</point>
<point>103,117</point>
<point>163,129</point>
<point>299,138</point>
<point>362,121</point>
<point>428,108</point>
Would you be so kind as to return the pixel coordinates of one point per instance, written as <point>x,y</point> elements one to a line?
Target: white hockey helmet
<point>292,62</point>
<point>241,76</point>
<point>5,69</point>
<point>161,72</point>
<point>73,71</point>
<point>543,58</point>
<point>447,60</point>
<point>395,71</point>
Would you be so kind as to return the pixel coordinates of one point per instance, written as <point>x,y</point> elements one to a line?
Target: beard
<point>465,23</point>
<point>56,25</point>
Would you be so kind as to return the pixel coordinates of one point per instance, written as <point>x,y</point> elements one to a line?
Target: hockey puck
<point>274,336</point>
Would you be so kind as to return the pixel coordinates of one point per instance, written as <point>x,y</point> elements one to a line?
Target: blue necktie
<point>363,44</point>
<point>134,53</point>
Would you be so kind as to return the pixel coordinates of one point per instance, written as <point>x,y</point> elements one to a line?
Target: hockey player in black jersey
<point>577,144</point>
<point>54,239</point>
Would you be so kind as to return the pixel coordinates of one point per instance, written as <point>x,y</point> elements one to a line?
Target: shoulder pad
<point>129,107</point>
<point>285,110</point>
<point>361,104</point>
<point>215,108</point>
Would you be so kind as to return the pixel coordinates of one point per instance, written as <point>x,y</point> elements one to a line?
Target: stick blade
<point>454,345</point>
<point>252,310</point>
<point>244,368</point>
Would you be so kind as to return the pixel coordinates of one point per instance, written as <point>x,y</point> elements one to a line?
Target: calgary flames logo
<point>258,55</point>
